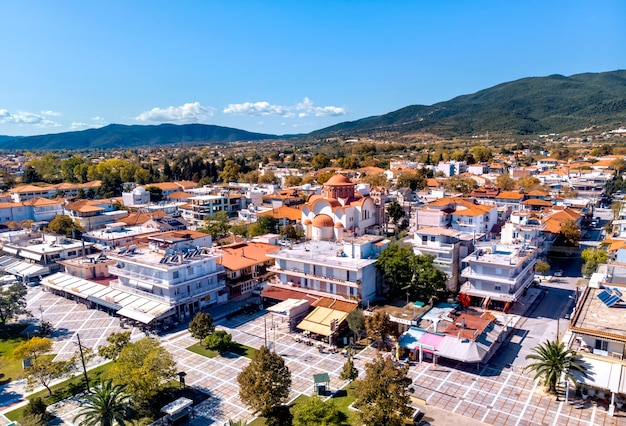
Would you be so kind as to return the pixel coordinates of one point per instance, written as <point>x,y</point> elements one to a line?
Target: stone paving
<point>497,397</point>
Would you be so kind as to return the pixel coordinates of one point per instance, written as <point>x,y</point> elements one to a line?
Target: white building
<point>188,281</point>
<point>338,270</point>
<point>498,274</point>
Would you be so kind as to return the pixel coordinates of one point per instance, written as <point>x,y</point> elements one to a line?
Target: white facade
<point>187,281</point>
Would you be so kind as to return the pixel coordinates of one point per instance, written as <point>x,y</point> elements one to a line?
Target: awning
<point>319,320</point>
<point>177,406</point>
<point>30,255</point>
<point>602,375</point>
<point>10,250</point>
<point>429,342</point>
<point>410,339</point>
<point>105,303</point>
<point>136,315</point>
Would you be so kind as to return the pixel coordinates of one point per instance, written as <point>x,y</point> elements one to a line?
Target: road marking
<point>530,396</point>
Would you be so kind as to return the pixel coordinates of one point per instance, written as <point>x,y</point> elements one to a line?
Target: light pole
<point>82,358</point>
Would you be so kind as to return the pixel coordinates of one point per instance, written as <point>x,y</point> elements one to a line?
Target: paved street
<point>497,395</point>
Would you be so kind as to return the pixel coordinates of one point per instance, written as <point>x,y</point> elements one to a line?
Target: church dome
<point>338,180</point>
<point>323,221</point>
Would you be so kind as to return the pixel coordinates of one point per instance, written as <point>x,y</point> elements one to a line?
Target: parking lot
<point>494,396</point>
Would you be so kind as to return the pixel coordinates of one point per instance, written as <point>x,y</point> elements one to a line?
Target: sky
<point>280,67</point>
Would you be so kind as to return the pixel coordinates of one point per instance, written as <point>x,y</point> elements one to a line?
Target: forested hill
<point>122,136</point>
<point>553,104</point>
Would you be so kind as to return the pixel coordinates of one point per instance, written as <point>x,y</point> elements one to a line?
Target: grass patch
<point>344,398</point>
<point>10,337</point>
<point>63,390</point>
<point>236,348</point>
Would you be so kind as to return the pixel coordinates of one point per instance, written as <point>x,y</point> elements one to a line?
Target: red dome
<point>323,221</point>
<point>338,180</point>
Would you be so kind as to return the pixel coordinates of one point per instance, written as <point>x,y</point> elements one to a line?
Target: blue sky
<point>280,67</point>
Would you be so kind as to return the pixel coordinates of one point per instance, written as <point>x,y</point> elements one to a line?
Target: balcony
<point>301,274</point>
<point>131,274</point>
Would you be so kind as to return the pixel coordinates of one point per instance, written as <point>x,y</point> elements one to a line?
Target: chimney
<point>463,323</point>
<point>180,258</point>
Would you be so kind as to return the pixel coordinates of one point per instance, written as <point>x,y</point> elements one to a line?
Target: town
<point>461,273</point>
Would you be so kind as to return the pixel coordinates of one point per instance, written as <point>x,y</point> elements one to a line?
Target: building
<point>247,266</point>
<point>94,214</point>
<point>202,206</point>
<point>448,247</point>
<point>27,192</point>
<point>343,270</point>
<point>35,209</point>
<point>117,234</point>
<point>187,281</point>
<point>340,211</point>
<point>498,274</point>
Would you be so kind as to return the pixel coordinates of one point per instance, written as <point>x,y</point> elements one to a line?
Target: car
<point>558,273</point>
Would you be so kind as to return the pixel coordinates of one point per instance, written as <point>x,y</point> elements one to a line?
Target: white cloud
<point>77,125</point>
<point>51,113</point>
<point>22,117</point>
<point>301,109</point>
<point>191,112</point>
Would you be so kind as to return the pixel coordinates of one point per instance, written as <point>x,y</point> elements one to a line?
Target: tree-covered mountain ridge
<point>529,106</point>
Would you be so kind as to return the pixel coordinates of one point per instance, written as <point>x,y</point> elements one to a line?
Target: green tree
<point>12,302</point>
<point>382,395</point>
<point>43,370</point>
<point>64,225</point>
<point>313,411</point>
<point>239,228</point>
<point>375,180</point>
<point>395,264</point>
<point>117,342</point>
<point>427,280</point>
<point>461,184</point>
<point>413,181</point>
<point>33,348</point>
<point>482,154</point>
<point>230,172</point>
<point>264,384</point>
<point>69,165</point>
<point>570,232</point>
<point>30,175</point>
<point>319,161</point>
<point>156,194</point>
<point>395,212</point>
<point>505,182</point>
<point>378,326</point>
<point>108,404</point>
<point>263,225</point>
<point>542,267</point>
<point>349,371</point>
<point>322,178</point>
<point>219,341</point>
<point>552,359</point>
<point>529,183</point>
<point>291,232</point>
<point>216,225</point>
<point>143,366</point>
<point>592,257</point>
<point>292,180</point>
<point>201,326</point>
<point>356,322</point>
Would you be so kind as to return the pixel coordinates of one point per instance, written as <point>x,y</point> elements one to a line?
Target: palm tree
<point>237,423</point>
<point>552,360</point>
<point>107,404</point>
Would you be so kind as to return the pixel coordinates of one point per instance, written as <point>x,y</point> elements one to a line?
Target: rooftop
<point>595,317</point>
<point>500,254</point>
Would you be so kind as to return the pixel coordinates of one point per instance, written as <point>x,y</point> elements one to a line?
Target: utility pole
<point>82,358</point>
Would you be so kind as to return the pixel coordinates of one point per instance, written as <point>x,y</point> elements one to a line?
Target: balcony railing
<point>310,275</point>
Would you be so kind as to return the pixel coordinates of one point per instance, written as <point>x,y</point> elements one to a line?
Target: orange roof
<point>371,170</point>
<point>510,195</point>
<point>164,186</point>
<point>537,202</point>
<point>468,327</point>
<point>136,218</point>
<point>538,193</point>
<point>472,210</point>
<point>244,255</point>
<point>180,195</point>
<point>283,212</point>
<point>338,305</point>
<point>43,201</point>
<point>338,180</point>
<point>186,183</point>
<point>432,182</point>
<point>323,221</point>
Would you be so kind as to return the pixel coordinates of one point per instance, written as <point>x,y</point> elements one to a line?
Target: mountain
<point>122,136</point>
<point>535,105</point>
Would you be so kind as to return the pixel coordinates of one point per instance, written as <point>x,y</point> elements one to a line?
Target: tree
<point>64,225</point>
<point>395,264</point>
<point>482,154</point>
<point>142,367</point>
<point>542,267</point>
<point>43,370</point>
<point>552,360</point>
<point>356,322</point>
<point>395,212</point>
<point>413,181</point>
<point>12,302</point>
<point>230,172</point>
<point>156,194</point>
<point>461,184</point>
<point>375,180</point>
<point>263,225</point>
<point>570,232</point>
<point>322,178</point>
<point>108,404</point>
<point>378,326</point>
<point>201,325</point>
<point>313,411</point>
<point>219,341</point>
<point>427,280</point>
<point>505,182</point>
<point>349,371</point>
<point>292,180</point>
<point>264,384</point>
<point>117,342</point>
<point>592,257</point>
<point>216,225</point>
<point>291,232</point>
<point>382,395</point>
<point>239,228</point>
<point>319,161</point>
<point>528,183</point>
<point>30,175</point>
<point>33,348</point>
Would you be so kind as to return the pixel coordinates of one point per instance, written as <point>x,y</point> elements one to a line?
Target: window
<point>175,274</point>
<point>602,345</point>
<point>424,239</point>
<point>432,239</point>
<point>497,287</point>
